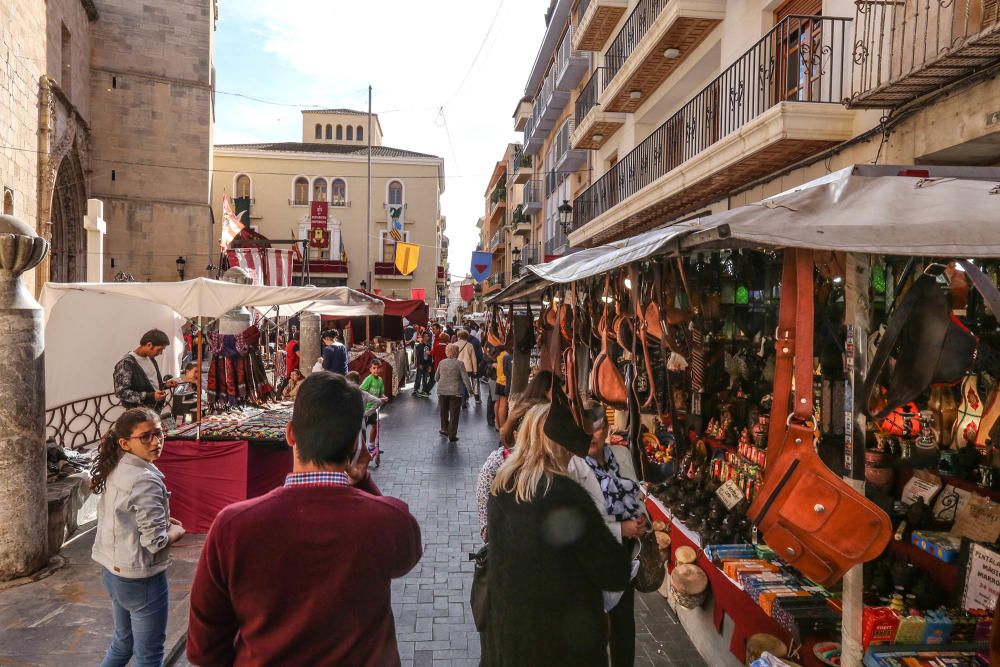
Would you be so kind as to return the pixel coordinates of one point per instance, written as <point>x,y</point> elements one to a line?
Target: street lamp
<point>181,263</point>
<point>364,286</point>
<point>565,216</point>
<point>515,265</point>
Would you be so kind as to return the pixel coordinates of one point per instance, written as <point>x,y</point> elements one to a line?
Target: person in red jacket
<point>438,350</point>
<point>292,355</point>
<point>301,575</point>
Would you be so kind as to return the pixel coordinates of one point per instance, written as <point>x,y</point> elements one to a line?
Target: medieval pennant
<point>467,292</point>
<point>396,222</point>
<point>482,263</point>
<point>407,255</point>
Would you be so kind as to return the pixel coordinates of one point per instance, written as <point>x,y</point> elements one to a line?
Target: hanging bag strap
<point>676,425</point>
<point>793,351</point>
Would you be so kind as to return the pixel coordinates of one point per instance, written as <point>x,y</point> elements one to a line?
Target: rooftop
<point>331,149</point>
<point>347,112</point>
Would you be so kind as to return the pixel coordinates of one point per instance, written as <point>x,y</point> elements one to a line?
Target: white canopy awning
<point>90,326</point>
<point>954,212</point>
<point>203,297</point>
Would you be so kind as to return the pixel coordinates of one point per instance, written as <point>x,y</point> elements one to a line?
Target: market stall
<point>735,350</point>
<point>235,451</point>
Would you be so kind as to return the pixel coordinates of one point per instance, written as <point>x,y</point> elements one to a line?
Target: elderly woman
<point>613,489</point>
<point>451,378</point>
<point>551,555</point>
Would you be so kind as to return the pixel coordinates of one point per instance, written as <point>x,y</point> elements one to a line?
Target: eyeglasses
<point>147,437</point>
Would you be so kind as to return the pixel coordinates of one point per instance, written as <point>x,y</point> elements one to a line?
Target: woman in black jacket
<point>550,557</point>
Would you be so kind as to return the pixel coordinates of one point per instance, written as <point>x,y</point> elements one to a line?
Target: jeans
<point>423,381</point>
<point>451,410</point>
<point>140,609</point>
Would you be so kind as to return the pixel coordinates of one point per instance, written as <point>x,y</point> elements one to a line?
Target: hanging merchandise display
<point>729,376</point>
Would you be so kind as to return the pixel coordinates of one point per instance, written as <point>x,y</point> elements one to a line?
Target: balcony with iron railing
<point>596,21</point>
<point>323,267</point>
<point>557,244</point>
<point>594,126</point>
<point>388,270</point>
<point>520,221</point>
<point>532,196</point>
<point>655,39</point>
<point>498,203</point>
<point>568,159</point>
<point>905,49</point>
<point>571,64</point>
<point>775,105</point>
<point>497,241</point>
<point>520,167</point>
<point>549,105</point>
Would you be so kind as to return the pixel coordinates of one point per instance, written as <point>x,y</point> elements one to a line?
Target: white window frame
<point>402,185</point>
<point>236,179</point>
<point>347,193</point>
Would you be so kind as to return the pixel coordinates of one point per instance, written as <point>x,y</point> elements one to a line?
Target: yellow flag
<point>407,255</point>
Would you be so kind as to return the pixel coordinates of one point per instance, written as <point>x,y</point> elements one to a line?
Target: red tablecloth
<point>730,600</point>
<point>203,477</point>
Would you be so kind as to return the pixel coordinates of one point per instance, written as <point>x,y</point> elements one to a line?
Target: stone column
<point>23,503</point>
<point>310,344</point>
<point>96,228</point>
<point>238,320</point>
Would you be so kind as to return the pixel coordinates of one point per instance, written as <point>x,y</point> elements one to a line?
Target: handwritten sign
<point>730,494</point>
<point>982,579</point>
<point>978,520</point>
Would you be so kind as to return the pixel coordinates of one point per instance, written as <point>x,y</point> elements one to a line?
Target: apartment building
<point>688,106</point>
<point>277,184</point>
<point>505,229</point>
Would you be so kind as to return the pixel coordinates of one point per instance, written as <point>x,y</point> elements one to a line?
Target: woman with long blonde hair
<point>550,557</point>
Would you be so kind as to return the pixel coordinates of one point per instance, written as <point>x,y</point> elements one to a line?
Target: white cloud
<point>415,54</point>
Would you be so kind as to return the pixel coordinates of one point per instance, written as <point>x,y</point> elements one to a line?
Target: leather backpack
<point>606,381</point>
<point>812,518</point>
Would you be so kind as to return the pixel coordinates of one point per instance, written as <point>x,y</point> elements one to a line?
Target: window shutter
<point>799,8</point>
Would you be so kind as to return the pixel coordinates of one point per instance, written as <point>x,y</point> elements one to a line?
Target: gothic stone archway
<point>68,261</point>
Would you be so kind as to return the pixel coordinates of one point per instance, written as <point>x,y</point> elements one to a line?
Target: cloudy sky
<point>420,57</point>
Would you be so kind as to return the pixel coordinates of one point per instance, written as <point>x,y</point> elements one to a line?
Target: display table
<point>727,598</point>
<point>205,476</point>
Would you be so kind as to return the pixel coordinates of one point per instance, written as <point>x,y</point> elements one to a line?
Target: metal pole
<point>201,346</point>
<point>368,236</point>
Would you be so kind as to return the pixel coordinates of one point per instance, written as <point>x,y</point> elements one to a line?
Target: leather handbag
<point>651,568</point>
<point>813,519</point>
<point>479,595</point>
<point>606,382</point>
<point>494,336</point>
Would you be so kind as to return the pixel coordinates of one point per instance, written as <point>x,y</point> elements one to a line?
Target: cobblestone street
<point>433,618</point>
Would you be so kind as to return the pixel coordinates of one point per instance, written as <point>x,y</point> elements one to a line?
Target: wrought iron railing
<point>581,9</point>
<point>566,52</point>
<point>628,38</point>
<point>556,242</point>
<point>496,240</point>
<point>532,192</point>
<point>563,143</point>
<point>80,424</point>
<point>895,39</point>
<point>590,93</point>
<point>496,280</point>
<point>519,160</point>
<point>799,59</point>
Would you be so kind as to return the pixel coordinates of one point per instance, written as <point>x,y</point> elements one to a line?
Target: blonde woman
<point>451,379</point>
<point>550,557</point>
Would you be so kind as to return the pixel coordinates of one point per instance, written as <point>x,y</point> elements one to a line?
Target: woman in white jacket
<point>134,534</point>
<point>610,481</point>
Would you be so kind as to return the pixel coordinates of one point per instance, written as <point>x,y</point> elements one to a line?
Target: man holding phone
<point>138,382</point>
<point>323,596</point>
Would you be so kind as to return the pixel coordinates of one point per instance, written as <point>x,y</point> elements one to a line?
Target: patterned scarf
<point>621,495</point>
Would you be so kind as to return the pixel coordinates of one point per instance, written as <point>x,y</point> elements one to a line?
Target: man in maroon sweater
<point>301,575</point>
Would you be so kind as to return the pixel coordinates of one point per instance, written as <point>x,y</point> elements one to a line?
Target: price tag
<point>730,494</point>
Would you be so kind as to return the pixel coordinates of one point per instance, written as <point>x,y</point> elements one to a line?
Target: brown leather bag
<point>494,336</point>
<point>606,382</point>
<point>813,519</point>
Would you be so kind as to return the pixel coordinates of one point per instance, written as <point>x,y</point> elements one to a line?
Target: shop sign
<point>982,579</point>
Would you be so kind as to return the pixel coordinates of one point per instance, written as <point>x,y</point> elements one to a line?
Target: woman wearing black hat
<point>550,555</point>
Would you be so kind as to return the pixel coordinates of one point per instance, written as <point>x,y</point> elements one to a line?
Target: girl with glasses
<point>134,533</point>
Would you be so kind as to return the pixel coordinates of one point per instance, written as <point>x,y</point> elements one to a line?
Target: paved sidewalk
<point>65,619</point>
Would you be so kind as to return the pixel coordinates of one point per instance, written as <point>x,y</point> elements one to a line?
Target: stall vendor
<point>186,395</point>
<point>138,382</point>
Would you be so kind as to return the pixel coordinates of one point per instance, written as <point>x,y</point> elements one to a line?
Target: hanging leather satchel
<point>813,519</point>
<point>606,382</point>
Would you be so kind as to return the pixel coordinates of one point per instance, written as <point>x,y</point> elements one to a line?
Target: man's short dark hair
<point>331,333</point>
<point>156,337</point>
<point>324,436</point>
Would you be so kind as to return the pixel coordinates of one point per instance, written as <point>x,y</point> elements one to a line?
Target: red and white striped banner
<point>267,266</point>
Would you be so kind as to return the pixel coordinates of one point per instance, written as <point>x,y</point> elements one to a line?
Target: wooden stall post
<point>522,361</point>
<point>857,318</point>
